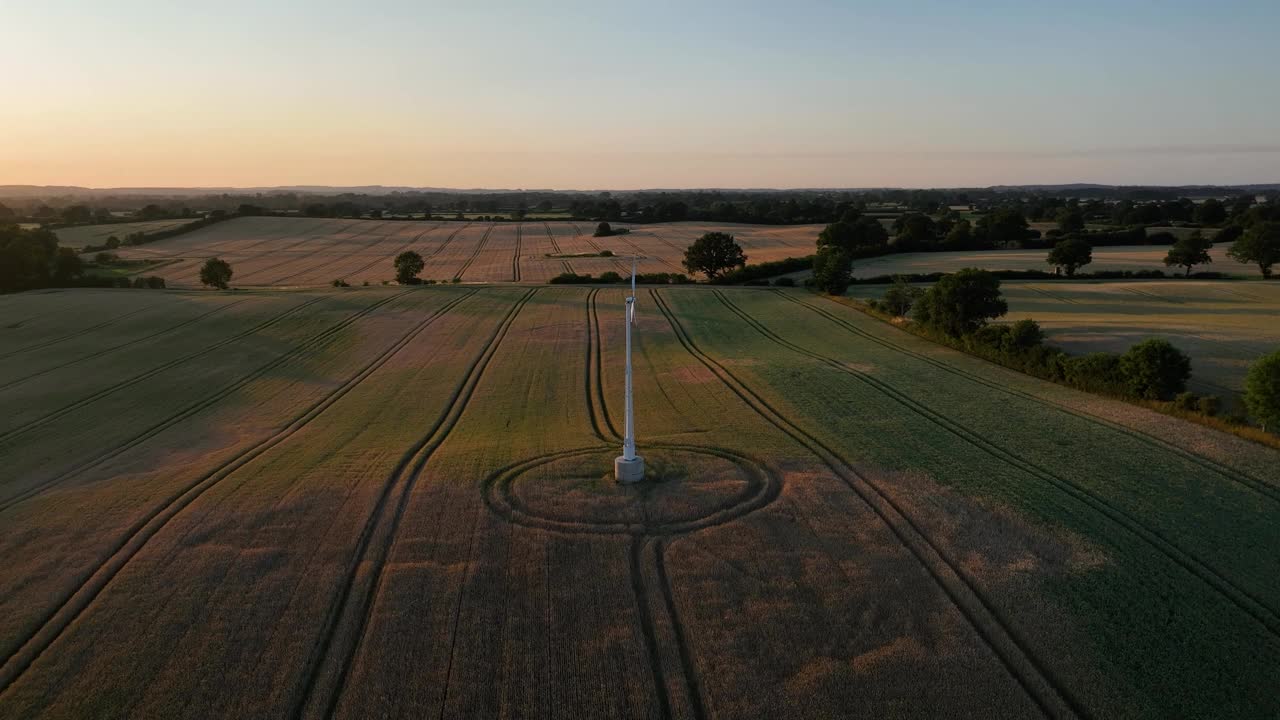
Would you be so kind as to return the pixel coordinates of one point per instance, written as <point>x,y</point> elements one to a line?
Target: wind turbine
<point>629,467</point>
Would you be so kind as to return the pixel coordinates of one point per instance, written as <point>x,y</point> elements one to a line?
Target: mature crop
<point>397,501</point>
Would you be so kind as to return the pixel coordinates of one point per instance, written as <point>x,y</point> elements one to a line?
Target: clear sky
<point>601,94</point>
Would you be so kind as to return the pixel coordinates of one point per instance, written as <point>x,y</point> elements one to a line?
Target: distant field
<point>383,502</point>
<point>297,252</point>
<point>83,235</point>
<point>1223,326</point>
<point>1130,257</point>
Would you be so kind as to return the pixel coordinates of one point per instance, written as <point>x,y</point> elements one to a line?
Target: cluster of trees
<point>959,308</point>
<point>32,259</point>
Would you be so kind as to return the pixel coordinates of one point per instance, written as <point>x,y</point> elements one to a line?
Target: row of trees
<point>959,309</point>
<point>32,259</point>
<point>1259,245</point>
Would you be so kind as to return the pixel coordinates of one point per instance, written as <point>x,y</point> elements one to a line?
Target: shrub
<point>1209,405</point>
<point>1155,370</point>
<point>1262,391</point>
<point>456,280</point>
<point>785,282</point>
<point>832,270</point>
<point>606,253</point>
<point>1187,401</point>
<point>764,270</point>
<point>1095,372</point>
<point>341,283</point>
<point>610,276</point>
<point>105,258</point>
<point>901,297</point>
<point>962,302</point>
<point>113,242</point>
<point>1025,334</point>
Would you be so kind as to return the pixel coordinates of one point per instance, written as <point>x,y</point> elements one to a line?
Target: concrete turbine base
<point>628,471</point>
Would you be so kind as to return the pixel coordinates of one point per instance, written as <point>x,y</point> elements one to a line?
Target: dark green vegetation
<point>1070,255</point>
<point>408,266</point>
<point>1259,246</point>
<point>1262,391</point>
<point>713,254</point>
<point>216,273</point>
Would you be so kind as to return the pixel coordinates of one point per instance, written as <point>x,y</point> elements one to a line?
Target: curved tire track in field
<point>315,341</point>
<point>284,260</point>
<point>447,240</point>
<point>393,253</point>
<point>78,333</point>
<point>329,663</point>
<point>113,348</point>
<point>129,382</point>
<point>1040,685</point>
<point>1251,604</point>
<point>72,606</point>
<point>1257,484</point>
<point>555,247</point>
<point>484,240</point>
<point>515,259</point>
<point>349,252</point>
<point>600,418</point>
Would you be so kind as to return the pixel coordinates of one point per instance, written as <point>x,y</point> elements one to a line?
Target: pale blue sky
<point>658,94</point>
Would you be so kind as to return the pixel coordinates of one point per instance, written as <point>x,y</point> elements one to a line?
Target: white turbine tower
<point>629,467</point>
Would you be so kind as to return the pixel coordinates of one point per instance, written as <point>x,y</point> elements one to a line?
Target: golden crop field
<point>380,502</point>
<point>296,252</point>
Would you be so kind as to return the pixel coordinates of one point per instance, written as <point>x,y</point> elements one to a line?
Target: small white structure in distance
<point>629,467</point>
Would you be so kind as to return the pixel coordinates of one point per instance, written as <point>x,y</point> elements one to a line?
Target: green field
<point>83,235</point>
<point>1224,326</point>
<point>397,502</point>
<point>1124,257</point>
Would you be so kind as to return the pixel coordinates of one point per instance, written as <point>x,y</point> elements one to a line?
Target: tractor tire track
<point>555,247</point>
<point>446,242</point>
<point>349,252</point>
<point>994,629</point>
<point>393,253</point>
<point>515,260</point>
<point>129,382</point>
<point>329,663</point>
<point>590,374</point>
<point>113,348</point>
<point>315,341</point>
<point>596,336</point>
<point>484,240</point>
<point>75,604</point>
<point>647,630</point>
<point>78,333</point>
<point>1231,474</point>
<point>1246,601</point>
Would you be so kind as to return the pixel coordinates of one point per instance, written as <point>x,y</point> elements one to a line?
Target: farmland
<point>82,235</point>
<point>1125,257</point>
<point>396,501</point>
<point>295,252</point>
<point>1223,326</point>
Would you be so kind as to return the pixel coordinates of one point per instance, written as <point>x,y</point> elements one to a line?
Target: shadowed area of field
<point>378,502</point>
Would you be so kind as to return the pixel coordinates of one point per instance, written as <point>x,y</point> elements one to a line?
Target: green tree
<point>1262,391</point>
<point>1002,227</point>
<point>899,298</point>
<point>77,214</point>
<point>1211,212</point>
<point>1070,220</point>
<point>1154,369</point>
<point>1260,245</point>
<point>67,265</point>
<point>408,265</point>
<point>864,237</point>
<point>1189,251</point>
<point>113,242</point>
<point>916,232</point>
<point>960,237</point>
<point>604,229</point>
<point>713,254</point>
<point>1071,254</point>
<point>962,302</point>
<point>216,273</point>
<point>832,269</point>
